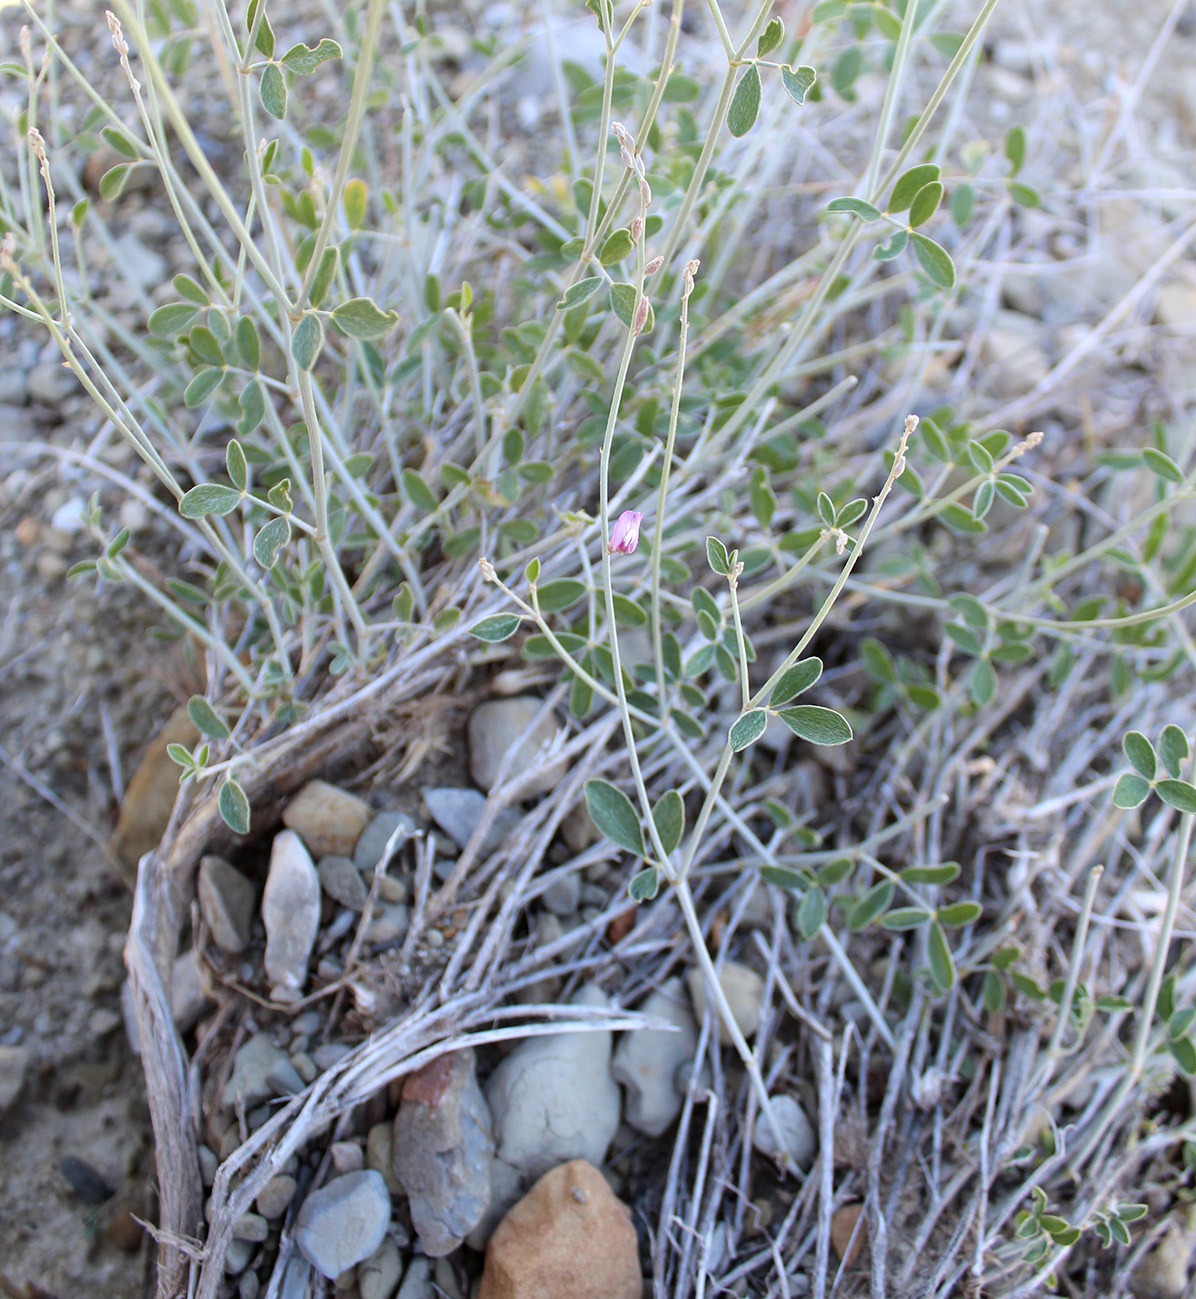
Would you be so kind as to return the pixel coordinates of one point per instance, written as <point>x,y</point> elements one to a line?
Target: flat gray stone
<point>187,997</point>
<point>553,1098</point>
<point>646,1062</point>
<point>506,1190</point>
<point>458,811</point>
<point>329,819</point>
<point>375,836</point>
<point>291,912</point>
<point>801,1145</point>
<point>51,383</point>
<point>343,1223</point>
<point>443,1149</point>
<point>417,1284</point>
<point>379,1276</point>
<point>503,727</point>
<point>744,991</point>
<point>252,1065</point>
<point>226,900</point>
<point>342,881</point>
<point>389,922</point>
<point>274,1199</point>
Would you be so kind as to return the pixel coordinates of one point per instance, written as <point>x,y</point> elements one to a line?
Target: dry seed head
<point>487,570</point>
<point>7,247</point>
<point>26,46</point>
<point>38,144</point>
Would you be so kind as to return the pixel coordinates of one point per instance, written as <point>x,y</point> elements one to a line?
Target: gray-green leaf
<point>717,557</point>
<point>811,913</point>
<point>745,103</point>
<point>1140,752</point>
<point>1178,794</point>
<point>935,260</point>
<point>234,807</point>
<point>747,729</point>
<point>795,680</point>
<point>303,60</point>
<point>498,627</point>
<point>817,725</point>
<point>798,82</point>
<point>209,498</point>
<point>770,38</point>
<point>615,246</point>
<point>910,183</point>
<point>644,885</point>
<point>577,293</point>
<point>363,319</point>
<point>942,966</point>
<point>270,540</point>
<point>1173,749</point>
<point>669,818</point>
<point>856,207</point>
<point>273,91</point>
<point>611,811</point>
<point>1130,791</point>
<point>307,340</point>
<point>205,718</point>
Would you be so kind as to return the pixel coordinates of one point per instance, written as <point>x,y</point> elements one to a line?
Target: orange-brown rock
<point>569,1235</point>
<point>843,1228</point>
<point>149,799</point>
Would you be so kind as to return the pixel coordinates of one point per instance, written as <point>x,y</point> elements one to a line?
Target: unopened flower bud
<point>653,266</point>
<point>687,276</point>
<point>641,314</point>
<point>637,229</point>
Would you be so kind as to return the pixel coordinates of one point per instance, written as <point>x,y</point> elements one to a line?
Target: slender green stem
<point>361,84</point>
<point>662,495</point>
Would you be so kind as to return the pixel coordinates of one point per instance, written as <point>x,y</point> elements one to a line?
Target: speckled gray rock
<point>250,1077</point>
<point>646,1062</point>
<point>52,383</point>
<point>291,912</point>
<point>378,1277</point>
<point>563,896</point>
<point>375,836</point>
<point>800,1143</point>
<point>442,1151</point>
<point>553,1098</point>
<point>458,811</point>
<point>14,386</point>
<point>226,903</point>
<point>274,1199</point>
<point>744,990</point>
<point>417,1284</point>
<point>343,1223</point>
<point>187,997</point>
<point>496,728</point>
<point>329,819</point>
<point>342,881</point>
<point>389,922</point>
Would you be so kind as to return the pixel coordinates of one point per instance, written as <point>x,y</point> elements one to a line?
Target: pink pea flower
<point>625,535</point>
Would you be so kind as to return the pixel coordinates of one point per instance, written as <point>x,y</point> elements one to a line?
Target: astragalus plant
<point>636,392</point>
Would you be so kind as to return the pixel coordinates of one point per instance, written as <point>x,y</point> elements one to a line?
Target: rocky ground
<point>82,687</point>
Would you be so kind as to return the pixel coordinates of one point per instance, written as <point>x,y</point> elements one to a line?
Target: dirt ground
<point>82,686</point>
